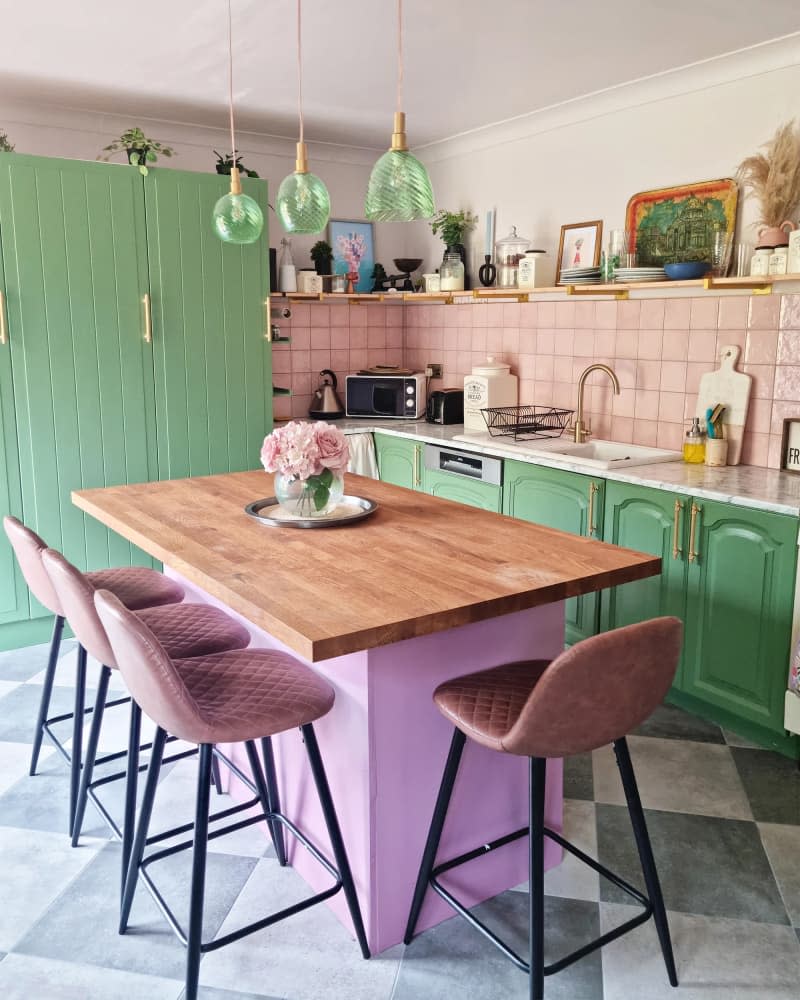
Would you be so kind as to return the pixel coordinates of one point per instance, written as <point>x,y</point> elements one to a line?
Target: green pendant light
<point>399,187</point>
<point>237,217</point>
<point>303,204</point>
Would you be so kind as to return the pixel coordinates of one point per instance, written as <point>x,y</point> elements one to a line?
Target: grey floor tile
<point>23,664</point>
<point>677,775</point>
<point>782,844</point>
<point>716,959</point>
<point>42,802</point>
<point>453,960</point>
<point>709,866</point>
<point>669,722</point>
<point>36,868</point>
<point>734,740</point>
<point>572,879</point>
<point>15,759</point>
<point>6,687</point>
<point>149,947</point>
<point>772,783</point>
<point>309,956</point>
<point>210,993</point>
<point>578,781</point>
<point>21,708</point>
<point>25,977</point>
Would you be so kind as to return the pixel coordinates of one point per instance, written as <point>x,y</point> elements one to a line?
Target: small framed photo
<point>579,245</point>
<point>353,244</point>
<point>790,446</point>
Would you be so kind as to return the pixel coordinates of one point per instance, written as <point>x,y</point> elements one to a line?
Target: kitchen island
<point>385,609</point>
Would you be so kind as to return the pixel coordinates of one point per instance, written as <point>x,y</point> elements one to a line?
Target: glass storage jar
<point>451,272</point>
<point>508,253</point>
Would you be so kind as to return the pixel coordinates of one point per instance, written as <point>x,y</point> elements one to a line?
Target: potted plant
<point>774,178</point>
<point>139,148</point>
<point>322,255</point>
<point>5,145</point>
<point>451,228</point>
<point>224,164</point>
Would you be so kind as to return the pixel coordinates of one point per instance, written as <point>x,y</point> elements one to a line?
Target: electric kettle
<point>325,403</point>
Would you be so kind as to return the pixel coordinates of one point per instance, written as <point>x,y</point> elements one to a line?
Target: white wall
<point>584,160</point>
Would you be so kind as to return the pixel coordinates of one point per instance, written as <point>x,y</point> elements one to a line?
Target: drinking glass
<point>721,247</point>
<point>744,256</point>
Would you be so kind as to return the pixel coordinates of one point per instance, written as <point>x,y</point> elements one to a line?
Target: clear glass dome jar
<point>451,272</point>
<point>508,253</point>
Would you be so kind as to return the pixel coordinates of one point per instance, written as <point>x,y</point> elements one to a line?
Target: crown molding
<point>756,60</point>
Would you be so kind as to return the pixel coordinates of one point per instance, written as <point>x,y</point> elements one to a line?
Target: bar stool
<point>231,697</point>
<point>183,630</point>
<point>589,696</point>
<point>136,586</point>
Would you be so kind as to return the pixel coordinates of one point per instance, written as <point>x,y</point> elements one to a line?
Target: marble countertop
<point>744,485</point>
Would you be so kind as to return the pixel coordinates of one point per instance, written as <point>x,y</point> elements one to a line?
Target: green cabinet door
<point>451,486</point>
<point>740,593</point>
<point>213,370</point>
<point>74,256</point>
<point>567,501</point>
<point>399,461</point>
<point>646,520</point>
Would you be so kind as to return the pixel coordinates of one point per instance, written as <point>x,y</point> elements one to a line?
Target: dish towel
<point>362,456</point>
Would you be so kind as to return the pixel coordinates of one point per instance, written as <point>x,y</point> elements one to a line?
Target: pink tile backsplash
<point>659,348</point>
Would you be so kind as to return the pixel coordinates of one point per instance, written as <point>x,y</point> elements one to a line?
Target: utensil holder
<point>716,451</point>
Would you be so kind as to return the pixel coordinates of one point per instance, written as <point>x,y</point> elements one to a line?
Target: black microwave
<point>401,397</point>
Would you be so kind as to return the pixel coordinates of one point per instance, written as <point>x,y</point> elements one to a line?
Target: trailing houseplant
<point>226,162</point>
<point>322,255</point>
<point>140,150</point>
<point>773,176</point>
<point>451,227</point>
<point>6,146</point>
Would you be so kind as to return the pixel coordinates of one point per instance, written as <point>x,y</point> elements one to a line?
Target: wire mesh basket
<point>526,422</point>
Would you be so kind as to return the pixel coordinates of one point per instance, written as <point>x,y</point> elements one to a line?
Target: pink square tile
<point>545,368</point>
<point>300,405</point>
<point>676,314</point>
<point>340,338</point>
<point>301,314</point>
<point>626,373</point>
<point>733,312</point>
<point>435,339</point>
<point>494,315</point>
<point>584,315</point>
<point>763,380</point>
<point>646,405</point>
<point>652,316</point>
<point>704,313</point>
<point>320,360</point>
<point>543,393</point>
<point>626,343</point>
<point>755,449</point>
<point>765,312</point>
<point>781,409</point>
<point>583,346</point>
<point>578,367</point>
<point>321,338</point>
<point>376,337</point>
<point>358,337</point>
<point>670,407</point>
<point>358,358</point>
<point>563,395</point>
<point>450,318</point>
<point>376,356</point>
<point>787,382</point>
<point>527,315</point>
<point>603,400</point>
<point>624,405</point>
<point>702,345</point>
<point>464,338</point>
<point>301,383</point>
<point>545,314</point>
<point>605,315</point>
<point>494,341</point>
<point>510,313</point>
<point>450,339</point>
<point>565,341</point>
<point>358,315</point>
<point>395,315</point>
<point>527,391</point>
<point>629,315</point>
<point>775,451</point>
<point>526,366</point>
<point>394,356</point>
<point>340,315</point>
<point>565,315</point>
<point>673,376</point>
<point>645,432</point>
<point>301,338</point>
<point>320,316</point>
<point>281,362</point>
<point>479,341</point>
<point>650,343</point>
<point>282,408</point>
<point>340,361</point>
<point>545,341</point>
<point>511,339</point>
<point>622,429</point>
<point>676,345</point>
<point>689,406</point>
<point>602,424</point>
<point>695,370</point>
<point>790,312</point>
<point>301,361</point>
<point>731,338</point>
<point>466,315</point>
<point>527,341</point>
<point>788,346</point>
<point>562,369</point>
<point>759,416</point>
<point>670,436</point>
<point>605,343</point>
<point>762,347</point>
<point>376,313</point>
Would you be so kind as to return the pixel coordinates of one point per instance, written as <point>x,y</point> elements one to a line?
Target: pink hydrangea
<point>302,449</point>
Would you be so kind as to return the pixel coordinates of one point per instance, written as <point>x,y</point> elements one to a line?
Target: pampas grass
<point>774,175</point>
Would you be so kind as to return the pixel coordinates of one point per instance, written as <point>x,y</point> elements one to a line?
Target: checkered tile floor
<point>724,818</point>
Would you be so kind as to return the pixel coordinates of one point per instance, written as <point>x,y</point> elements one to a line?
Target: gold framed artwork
<point>579,245</point>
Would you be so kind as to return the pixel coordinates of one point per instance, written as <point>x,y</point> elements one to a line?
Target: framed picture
<point>790,446</point>
<point>579,245</point>
<point>353,245</point>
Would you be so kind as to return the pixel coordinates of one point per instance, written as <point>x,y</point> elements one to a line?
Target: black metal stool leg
<point>216,777</point>
<point>131,787</point>
<point>140,838</point>
<point>646,855</point>
<point>76,751</point>
<point>537,777</point>
<point>199,852</point>
<point>47,690</point>
<point>435,831</point>
<point>91,753</point>
<point>273,796</point>
<point>335,834</point>
<point>266,800</point>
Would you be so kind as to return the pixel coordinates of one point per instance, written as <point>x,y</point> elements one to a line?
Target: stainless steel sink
<point>602,454</point>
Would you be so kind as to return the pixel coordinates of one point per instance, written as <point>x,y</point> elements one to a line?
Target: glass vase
<point>312,497</point>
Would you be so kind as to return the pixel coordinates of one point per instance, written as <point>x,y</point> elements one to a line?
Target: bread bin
<point>490,384</point>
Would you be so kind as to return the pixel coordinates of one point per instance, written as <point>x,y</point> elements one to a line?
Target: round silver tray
<point>348,510</point>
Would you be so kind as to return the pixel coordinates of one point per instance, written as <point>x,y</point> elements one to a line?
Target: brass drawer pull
<point>267,321</point>
<point>677,552</point>
<point>3,322</point>
<point>417,473</point>
<point>148,320</point>
<point>693,553</point>
<point>593,489</point>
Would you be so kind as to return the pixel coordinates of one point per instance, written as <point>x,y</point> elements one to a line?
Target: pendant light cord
<point>300,68</point>
<point>230,81</point>
<point>399,55</point>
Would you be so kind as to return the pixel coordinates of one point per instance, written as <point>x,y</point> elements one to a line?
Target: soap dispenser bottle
<point>694,445</point>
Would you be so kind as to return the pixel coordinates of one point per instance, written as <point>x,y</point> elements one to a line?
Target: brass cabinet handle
<point>148,320</point>
<point>417,473</point>
<point>267,321</point>
<point>693,553</point>
<point>677,551</point>
<point>3,323</point>
<point>593,488</point>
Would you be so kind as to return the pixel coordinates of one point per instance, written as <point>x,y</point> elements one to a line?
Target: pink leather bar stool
<point>182,629</point>
<point>231,697</point>
<point>136,586</point>
<point>591,695</point>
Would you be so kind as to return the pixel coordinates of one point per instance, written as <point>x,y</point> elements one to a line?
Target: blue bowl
<point>686,270</point>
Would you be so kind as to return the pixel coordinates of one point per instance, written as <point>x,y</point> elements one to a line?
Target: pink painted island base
<point>384,744</point>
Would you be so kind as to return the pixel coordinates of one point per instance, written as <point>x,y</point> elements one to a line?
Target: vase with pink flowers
<point>309,461</point>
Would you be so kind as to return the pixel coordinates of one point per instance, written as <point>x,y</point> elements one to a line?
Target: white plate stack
<point>630,275</point>
<point>580,276</point>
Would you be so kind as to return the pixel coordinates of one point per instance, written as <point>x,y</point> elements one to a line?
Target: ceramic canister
<point>490,384</point>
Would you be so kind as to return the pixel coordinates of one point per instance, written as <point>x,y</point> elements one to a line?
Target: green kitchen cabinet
<point>568,501</point>
<point>399,460</point>
<point>471,492</point>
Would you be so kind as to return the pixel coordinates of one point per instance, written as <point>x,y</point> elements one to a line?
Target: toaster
<point>445,406</point>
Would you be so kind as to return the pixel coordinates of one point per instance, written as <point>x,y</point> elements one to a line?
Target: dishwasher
<point>476,480</point>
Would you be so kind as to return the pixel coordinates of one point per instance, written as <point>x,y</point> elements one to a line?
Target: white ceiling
<point>469,63</point>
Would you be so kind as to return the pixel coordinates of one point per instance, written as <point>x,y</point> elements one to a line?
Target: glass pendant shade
<point>303,204</point>
<point>399,187</point>
<point>237,217</point>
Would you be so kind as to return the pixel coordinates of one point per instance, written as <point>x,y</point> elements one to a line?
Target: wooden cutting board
<point>732,389</point>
